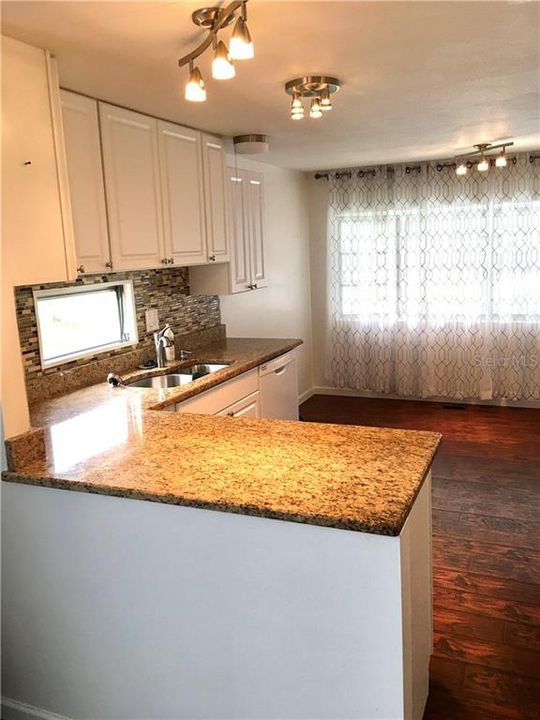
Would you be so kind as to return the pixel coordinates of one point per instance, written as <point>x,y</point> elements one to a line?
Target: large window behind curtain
<point>435,282</point>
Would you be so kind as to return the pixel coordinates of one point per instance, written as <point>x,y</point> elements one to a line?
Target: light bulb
<point>298,115</point>
<point>325,102</point>
<point>241,45</point>
<point>483,165</point>
<point>195,90</point>
<point>501,159</point>
<point>461,169</point>
<point>222,67</point>
<point>297,103</point>
<point>315,111</point>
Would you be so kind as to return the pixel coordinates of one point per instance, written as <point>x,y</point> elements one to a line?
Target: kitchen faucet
<point>161,341</point>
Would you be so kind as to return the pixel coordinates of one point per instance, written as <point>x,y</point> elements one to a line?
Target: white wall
<point>119,608</point>
<point>283,309</point>
<point>317,209</point>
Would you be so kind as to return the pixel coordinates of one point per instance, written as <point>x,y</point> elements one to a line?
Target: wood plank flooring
<point>486,550</point>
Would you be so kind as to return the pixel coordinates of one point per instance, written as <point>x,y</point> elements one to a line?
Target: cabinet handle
<point>81,270</point>
<point>27,162</point>
<point>109,265</point>
<point>212,258</point>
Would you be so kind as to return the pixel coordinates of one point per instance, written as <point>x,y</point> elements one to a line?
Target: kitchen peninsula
<point>194,566</point>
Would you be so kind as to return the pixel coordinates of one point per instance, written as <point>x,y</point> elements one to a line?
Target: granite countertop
<point>114,442</point>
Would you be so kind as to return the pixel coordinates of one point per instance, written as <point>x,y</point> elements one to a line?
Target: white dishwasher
<point>278,388</point>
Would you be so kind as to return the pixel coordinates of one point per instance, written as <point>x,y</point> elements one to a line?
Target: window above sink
<point>84,320</point>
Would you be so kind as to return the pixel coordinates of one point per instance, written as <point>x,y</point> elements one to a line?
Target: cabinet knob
<point>230,414</point>
<point>255,286</point>
<point>109,264</point>
<point>212,258</point>
<point>27,162</point>
<point>81,270</point>
<point>171,261</point>
<point>164,261</point>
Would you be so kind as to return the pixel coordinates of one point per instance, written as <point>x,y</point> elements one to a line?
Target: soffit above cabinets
<point>421,80</point>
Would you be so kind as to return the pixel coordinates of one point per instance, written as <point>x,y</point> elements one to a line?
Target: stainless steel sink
<point>162,381</point>
<point>201,369</point>
<point>181,377</point>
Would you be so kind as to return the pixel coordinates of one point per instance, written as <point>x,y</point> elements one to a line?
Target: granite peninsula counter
<point>296,599</point>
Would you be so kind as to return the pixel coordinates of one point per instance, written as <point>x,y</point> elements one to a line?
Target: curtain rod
<point>367,172</point>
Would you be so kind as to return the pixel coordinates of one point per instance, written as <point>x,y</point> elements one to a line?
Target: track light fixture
<point>214,19</point>
<point>483,164</point>
<point>317,89</point>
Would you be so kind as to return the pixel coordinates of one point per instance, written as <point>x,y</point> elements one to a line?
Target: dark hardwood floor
<point>486,550</point>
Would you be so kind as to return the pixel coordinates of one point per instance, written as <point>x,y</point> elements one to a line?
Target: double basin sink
<point>180,377</point>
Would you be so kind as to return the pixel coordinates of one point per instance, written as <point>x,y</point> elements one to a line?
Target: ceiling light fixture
<point>467,160</point>
<point>214,19</point>
<point>317,88</point>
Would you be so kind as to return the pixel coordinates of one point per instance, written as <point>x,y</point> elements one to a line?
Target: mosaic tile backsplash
<point>167,290</point>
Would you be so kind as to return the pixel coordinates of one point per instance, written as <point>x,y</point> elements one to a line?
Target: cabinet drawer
<point>249,406</point>
<point>214,401</point>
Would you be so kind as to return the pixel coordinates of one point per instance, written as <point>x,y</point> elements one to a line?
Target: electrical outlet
<point>152,320</point>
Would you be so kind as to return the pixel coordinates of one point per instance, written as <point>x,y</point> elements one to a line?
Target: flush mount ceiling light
<point>214,19</point>
<point>252,144</point>
<point>317,89</point>
<point>480,159</point>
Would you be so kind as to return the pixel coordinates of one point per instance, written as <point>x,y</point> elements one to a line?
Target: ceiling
<point>421,80</point>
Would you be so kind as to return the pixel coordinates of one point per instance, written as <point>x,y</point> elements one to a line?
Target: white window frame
<point>130,315</point>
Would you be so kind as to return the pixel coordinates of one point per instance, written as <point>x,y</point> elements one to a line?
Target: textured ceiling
<point>420,79</point>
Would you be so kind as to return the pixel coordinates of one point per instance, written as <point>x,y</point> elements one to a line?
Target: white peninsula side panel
<point>117,608</point>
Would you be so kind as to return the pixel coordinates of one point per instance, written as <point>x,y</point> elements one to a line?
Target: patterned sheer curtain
<point>434,282</point>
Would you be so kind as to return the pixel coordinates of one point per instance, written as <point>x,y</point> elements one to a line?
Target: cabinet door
<point>180,155</point>
<point>131,165</point>
<point>37,235</point>
<point>254,219</point>
<point>247,407</point>
<point>85,170</point>
<point>237,232</point>
<point>215,198</point>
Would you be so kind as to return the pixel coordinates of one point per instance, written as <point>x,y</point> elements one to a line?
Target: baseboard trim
<point>346,392</point>
<point>15,710</point>
<point>305,396</point>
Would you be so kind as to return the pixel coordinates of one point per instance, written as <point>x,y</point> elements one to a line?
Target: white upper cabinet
<point>83,150</point>
<point>247,267</point>
<point>132,181</point>
<point>180,156</point>
<point>37,232</point>
<point>237,232</point>
<point>215,198</point>
<point>254,216</point>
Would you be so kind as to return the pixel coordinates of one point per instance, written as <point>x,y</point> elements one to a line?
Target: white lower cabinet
<point>268,391</point>
<point>224,397</point>
<point>249,406</point>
